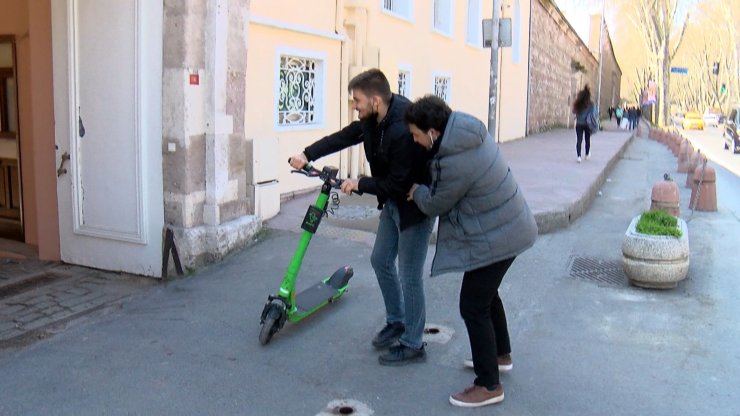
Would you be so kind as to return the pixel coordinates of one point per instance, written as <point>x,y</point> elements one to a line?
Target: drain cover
<point>598,270</point>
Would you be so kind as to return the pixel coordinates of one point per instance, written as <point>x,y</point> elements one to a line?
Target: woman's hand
<point>410,195</point>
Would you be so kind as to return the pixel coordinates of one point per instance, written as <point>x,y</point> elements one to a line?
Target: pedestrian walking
<point>582,107</point>
<point>403,231</point>
<point>484,223</point>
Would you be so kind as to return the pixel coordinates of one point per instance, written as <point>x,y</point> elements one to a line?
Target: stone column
<point>205,158</point>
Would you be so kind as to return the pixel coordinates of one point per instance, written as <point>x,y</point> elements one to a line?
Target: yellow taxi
<point>693,120</point>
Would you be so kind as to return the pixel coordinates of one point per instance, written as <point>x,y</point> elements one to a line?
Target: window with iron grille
<point>404,83</point>
<point>442,87</point>
<point>401,8</point>
<point>298,91</point>
<point>443,16</point>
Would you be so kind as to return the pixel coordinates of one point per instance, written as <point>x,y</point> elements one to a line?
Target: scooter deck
<point>314,296</point>
<point>324,291</point>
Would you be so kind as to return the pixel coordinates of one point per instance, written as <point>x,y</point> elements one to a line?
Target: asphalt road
<point>711,143</point>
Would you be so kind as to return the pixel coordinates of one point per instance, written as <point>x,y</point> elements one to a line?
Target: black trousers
<point>582,131</point>
<point>485,319</point>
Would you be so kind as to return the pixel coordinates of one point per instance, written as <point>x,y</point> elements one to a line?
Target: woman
<point>582,106</point>
<point>484,223</point>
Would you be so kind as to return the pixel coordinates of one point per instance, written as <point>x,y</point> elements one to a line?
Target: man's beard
<point>372,115</point>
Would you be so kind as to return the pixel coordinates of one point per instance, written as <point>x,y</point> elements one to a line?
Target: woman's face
<point>423,139</point>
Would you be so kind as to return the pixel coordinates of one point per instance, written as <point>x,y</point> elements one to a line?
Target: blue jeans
<point>403,290</point>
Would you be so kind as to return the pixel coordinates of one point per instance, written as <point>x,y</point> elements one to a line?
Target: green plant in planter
<point>657,222</point>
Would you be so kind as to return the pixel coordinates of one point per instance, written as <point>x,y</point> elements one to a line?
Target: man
<point>403,230</point>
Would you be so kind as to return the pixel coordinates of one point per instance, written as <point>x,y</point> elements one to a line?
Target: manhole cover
<point>598,270</point>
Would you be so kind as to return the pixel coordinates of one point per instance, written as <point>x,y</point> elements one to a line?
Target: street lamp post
<point>601,59</point>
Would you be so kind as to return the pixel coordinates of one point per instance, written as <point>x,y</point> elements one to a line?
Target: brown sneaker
<point>477,396</point>
<point>504,363</point>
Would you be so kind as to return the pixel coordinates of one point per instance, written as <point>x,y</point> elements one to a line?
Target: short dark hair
<point>428,112</point>
<point>372,82</point>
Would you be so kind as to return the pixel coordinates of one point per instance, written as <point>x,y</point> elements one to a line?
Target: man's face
<point>366,107</point>
<point>421,138</point>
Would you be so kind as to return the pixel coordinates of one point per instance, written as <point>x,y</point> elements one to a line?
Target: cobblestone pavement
<point>39,298</point>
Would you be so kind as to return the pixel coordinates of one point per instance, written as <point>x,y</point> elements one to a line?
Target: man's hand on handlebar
<point>298,161</point>
<point>350,185</point>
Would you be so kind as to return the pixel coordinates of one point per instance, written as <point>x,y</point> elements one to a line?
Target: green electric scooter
<point>287,305</point>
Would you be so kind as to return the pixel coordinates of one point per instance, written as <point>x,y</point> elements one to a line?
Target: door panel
<point>108,165</point>
<point>107,103</point>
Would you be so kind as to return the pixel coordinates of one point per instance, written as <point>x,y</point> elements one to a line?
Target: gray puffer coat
<point>483,217</point>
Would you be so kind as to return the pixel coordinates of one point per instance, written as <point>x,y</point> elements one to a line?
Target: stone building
<point>561,64</point>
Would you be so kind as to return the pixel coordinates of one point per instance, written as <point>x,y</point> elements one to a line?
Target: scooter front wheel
<point>270,325</point>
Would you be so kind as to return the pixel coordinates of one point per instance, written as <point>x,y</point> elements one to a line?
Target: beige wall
<point>354,35</point>
<point>266,43</point>
<point>514,74</point>
<point>30,22</point>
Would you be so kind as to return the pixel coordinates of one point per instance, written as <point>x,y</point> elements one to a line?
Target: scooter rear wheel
<point>270,325</point>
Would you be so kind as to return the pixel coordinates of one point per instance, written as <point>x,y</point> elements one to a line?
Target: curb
<point>550,221</point>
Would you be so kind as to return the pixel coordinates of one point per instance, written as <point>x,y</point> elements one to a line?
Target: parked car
<point>692,120</point>
<point>732,128</point>
<point>711,119</point>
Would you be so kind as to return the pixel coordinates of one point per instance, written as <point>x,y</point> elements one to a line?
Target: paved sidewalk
<point>40,298</point>
<point>557,188</point>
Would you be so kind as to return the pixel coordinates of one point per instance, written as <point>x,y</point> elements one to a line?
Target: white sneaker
<point>504,363</point>
<point>588,156</point>
<point>579,159</point>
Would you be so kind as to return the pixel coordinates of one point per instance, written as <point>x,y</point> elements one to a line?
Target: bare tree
<point>731,13</point>
<point>654,21</point>
<point>641,82</point>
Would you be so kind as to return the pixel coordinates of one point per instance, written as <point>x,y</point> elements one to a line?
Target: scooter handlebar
<point>312,172</point>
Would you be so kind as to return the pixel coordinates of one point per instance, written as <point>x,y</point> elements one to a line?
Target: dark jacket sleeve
<point>348,136</point>
<point>402,155</point>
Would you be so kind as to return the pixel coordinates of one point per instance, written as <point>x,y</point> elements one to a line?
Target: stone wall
<point>611,77</point>
<point>560,65</point>
<point>206,164</point>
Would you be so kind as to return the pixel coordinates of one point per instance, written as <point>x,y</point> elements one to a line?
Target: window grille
<point>442,87</point>
<point>298,91</point>
<point>403,83</point>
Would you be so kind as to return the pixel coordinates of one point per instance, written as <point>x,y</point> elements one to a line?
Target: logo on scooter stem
<point>312,219</point>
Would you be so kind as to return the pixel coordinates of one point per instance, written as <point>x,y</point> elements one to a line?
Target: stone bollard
<point>693,163</point>
<point>675,144</point>
<point>683,153</point>
<point>704,192</point>
<point>665,196</point>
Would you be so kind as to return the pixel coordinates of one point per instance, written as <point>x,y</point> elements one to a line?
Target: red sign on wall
<point>194,79</point>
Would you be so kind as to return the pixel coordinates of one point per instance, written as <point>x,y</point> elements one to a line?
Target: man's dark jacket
<point>396,162</point>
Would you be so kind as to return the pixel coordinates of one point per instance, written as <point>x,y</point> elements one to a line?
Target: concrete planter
<point>655,262</point>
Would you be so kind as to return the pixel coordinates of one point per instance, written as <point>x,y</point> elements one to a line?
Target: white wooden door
<point>107,105</point>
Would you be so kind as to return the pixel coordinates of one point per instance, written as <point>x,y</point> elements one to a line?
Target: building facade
<point>140,125</point>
